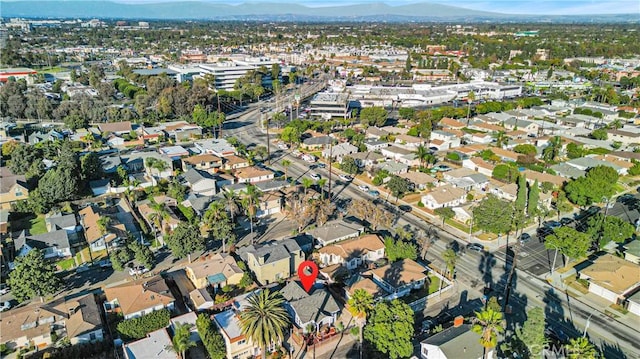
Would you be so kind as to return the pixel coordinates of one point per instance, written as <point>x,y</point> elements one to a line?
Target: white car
<point>283,146</point>
<point>363,188</point>
<point>138,270</point>
<point>5,306</point>
<point>4,289</point>
<point>315,176</point>
<point>346,178</point>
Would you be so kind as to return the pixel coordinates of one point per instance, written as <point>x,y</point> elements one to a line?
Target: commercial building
<point>226,74</point>
<point>330,105</point>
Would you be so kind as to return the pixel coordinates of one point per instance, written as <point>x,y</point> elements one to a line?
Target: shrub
<point>137,328</point>
<point>211,338</point>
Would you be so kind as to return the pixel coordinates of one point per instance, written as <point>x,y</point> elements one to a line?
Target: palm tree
<point>450,257</point>
<point>249,202</point>
<point>581,348</point>
<point>500,138</point>
<point>321,182</point>
<point>470,98</point>
<point>306,183</point>
<point>488,324</point>
<point>182,339</point>
<point>422,153</point>
<point>215,214</point>
<point>231,203</point>
<point>286,164</point>
<point>360,303</point>
<point>323,209</point>
<point>264,319</point>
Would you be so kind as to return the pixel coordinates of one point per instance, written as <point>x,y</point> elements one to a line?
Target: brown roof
<point>482,163</point>
<point>8,180</point>
<point>401,272</point>
<point>176,126</point>
<point>219,263</point>
<point>89,219</point>
<point>141,294</point>
<point>368,285</point>
<point>446,194</point>
<point>489,127</point>
<point>418,177</point>
<point>251,172</point>
<point>501,152</point>
<point>234,160</point>
<point>544,177</point>
<point>204,158</point>
<point>357,246</point>
<point>410,139</point>
<point>613,273</point>
<point>449,122</point>
<point>115,126</point>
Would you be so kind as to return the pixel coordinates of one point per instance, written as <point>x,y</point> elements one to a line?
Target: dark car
<point>476,247</point>
<point>544,231</point>
<point>405,208</point>
<point>552,224</point>
<point>565,221</point>
<point>524,238</point>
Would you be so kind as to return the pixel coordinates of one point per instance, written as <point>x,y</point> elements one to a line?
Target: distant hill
<point>201,10</point>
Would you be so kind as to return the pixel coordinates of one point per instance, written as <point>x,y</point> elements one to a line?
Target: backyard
<point>34,225</point>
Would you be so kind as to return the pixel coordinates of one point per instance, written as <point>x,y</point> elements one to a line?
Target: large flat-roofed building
<point>330,105</point>
<point>17,73</point>
<point>227,73</point>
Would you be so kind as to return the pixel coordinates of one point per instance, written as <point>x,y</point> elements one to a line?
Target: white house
<point>339,151</point>
<point>457,342</point>
<point>353,252</point>
<point>253,175</point>
<point>612,278</point>
<point>200,182</point>
<point>444,196</point>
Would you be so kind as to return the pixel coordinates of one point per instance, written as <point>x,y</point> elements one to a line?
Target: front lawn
<point>434,284</point>
<point>66,264</point>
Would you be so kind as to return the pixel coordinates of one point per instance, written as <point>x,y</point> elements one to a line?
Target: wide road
<point>476,271</point>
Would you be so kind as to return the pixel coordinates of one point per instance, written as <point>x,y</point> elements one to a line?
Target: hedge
<point>138,328</point>
<point>211,338</point>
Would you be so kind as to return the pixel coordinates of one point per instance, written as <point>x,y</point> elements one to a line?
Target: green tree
<point>493,215</point>
<point>211,338</point>
<point>552,151</point>
<point>599,134</point>
<point>176,190</point>
<point>450,257</point>
<point>521,196</point>
<point>58,185</point>
<point>532,332</point>
<point>250,201</point>
<point>444,213</point>
<point>217,220</point>
<point>398,186</point>
<point>360,305</point>
<point>349,165</point>
<point>581,348</point>
<point>610,228</point>
<point>488,324</point>
<point>22,157</point>
<point>407,113</point>
<point>142,254</point>
<point>75,121</point>
<point>291,135</point>
<point>120,257</point>
<point>569,242</point>
<point>138,328</point>
<point>184,240</point>
<point>525,149</point>
<point>506,173</point>
<point>422,153</point>
<point>181,341</point>
<point>390,329</point>
<point>574,150</point>
<point>90,166</point>
<point>373,116</point>
<point>399,249</point>
<point>532,199</point>
<point>33,276</point>
<point>264,319</point>
<point>598,183</point>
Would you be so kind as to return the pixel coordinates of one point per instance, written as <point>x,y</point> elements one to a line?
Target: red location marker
<point>308,272</point>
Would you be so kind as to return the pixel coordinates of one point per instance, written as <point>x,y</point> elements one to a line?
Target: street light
<point>586,326</point>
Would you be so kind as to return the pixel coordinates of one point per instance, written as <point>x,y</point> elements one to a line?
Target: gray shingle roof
<point>335,229</point>
<point>315,306</point>
<point>194,176</point>
<point>58,239</point>
<point>272,251</point>
<point>457,342</point>
<point>59,221</point>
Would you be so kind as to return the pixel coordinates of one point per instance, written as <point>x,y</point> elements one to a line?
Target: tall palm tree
<point>231,203</point>
<point>488,324</point>
<point>500,138</point>
<point>422,153</point>
<point>321,182</point>
<point>286,164</point>
<point>581,348</point>
<point>306,183</point>
<point>215,214</point>
<point>264,319</point>
<point>360,304</point>
<point>249,202</point>
<point>182,339</point>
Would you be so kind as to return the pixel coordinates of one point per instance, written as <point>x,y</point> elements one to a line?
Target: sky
<point>533,7</point>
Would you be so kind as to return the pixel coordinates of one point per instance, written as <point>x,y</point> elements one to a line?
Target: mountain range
<point>200,10</point>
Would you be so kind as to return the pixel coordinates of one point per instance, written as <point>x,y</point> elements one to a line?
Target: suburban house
<point>316,309</point>
<point>174,152</point>
<point>13,188</point>
<point>337,152</point>
<point>118,128</point>
<point>201,299</point>
<point>444,196</point>
<point>140,297</point>
<point>612,278</point>
<point>57,221</point>
<point>200,182</point>
<point>375,145</point>
<point>270,203</point>
<point>253,175</point>
<point>394,168</point>
<point>237,344</point>
<point>148,162</point>
<point>632,251</point>
<point>334,231</point>
<point>449,139</point>
<point>158,214</point>
<point>273,261</point>
<point>633,303</point>
<point>399,278</point>
<point>52,244</point>
<point>183,131</point>
<point>367,159</point>
<point>156,345</point>
<point>233,162</point>
<point>316,143</point>
<point>457,342</point>
<point>187,318</point>
<point>420,180</point>
<point>78,319</point>
<point>479,165</point>
<point>409,142</point>
<point>198,203</point>
<point>112,234</point>
<point>216,271</point>
<point>204,162</point>
<point>353,252</point>
<point>216,146</point>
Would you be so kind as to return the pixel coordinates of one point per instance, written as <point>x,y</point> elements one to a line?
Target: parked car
<point>82,268</point>
<point>314,176</point>
<point>552,224</point>
<point>524,238</point>
<point>427,325</point>
<point>565,221</point>
<point>373,193</point>
<point>283,146</point>
<point>5,306</point>
<point>544,231</point>
<point>321,165</point>
<point>138,270</point>
<point>477,247</point>
<point>4,289</point>
<point>105,263</point>
<point>363,188</point>
<point>405,208</point>
<point>346,178</point>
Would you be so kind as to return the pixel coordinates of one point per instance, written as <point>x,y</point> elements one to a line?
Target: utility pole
<point>265,122</point>
<point>330,163</point>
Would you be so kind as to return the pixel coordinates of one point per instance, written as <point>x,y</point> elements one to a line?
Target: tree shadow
<point>612,351</point>
<point>485,267</point>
